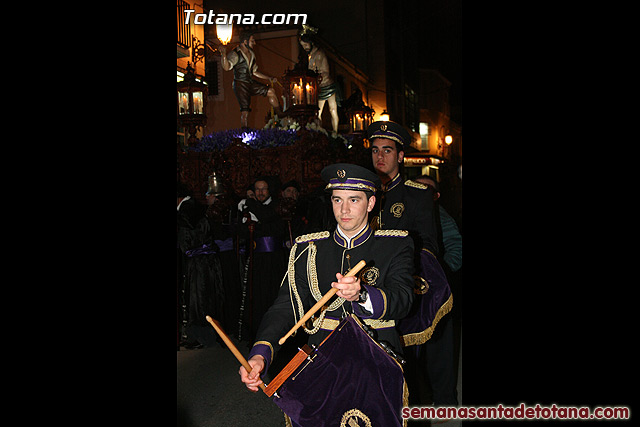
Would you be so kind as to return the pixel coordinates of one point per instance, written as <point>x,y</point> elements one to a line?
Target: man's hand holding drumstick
<point>347,287</point>
<point>252,379</point>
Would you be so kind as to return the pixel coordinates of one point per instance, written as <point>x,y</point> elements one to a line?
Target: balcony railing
<point>184,28</point>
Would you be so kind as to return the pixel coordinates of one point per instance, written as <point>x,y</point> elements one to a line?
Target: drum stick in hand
<point>216,325</point>
<point>321,302</point>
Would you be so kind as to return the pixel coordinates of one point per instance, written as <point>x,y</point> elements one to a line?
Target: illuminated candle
<point>196,103</point>
<point>357,122</point>
<point>309,93</point>
<point>297,94</point>
<point>184,103</point>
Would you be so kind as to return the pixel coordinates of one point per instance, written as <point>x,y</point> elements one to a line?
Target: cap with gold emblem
<point>389,130</point>
<point>346,176</point>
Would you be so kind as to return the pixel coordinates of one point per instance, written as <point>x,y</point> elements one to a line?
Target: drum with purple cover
<point>348,380</point>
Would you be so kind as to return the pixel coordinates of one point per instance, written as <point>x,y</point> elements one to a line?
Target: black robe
<point>202,279</point>
<point>268,260</point>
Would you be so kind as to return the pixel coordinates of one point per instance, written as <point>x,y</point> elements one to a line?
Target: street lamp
<point>224,33</point>
<point>448,139</point>
<point>192,102</point>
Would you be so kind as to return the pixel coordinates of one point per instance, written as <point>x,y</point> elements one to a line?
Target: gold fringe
<point>405,399</point>
<point>287,421</point>
<point>424,336</point>
<point>331,324</point>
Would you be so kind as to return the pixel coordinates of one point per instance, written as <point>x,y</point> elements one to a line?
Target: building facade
<point>367,53</point>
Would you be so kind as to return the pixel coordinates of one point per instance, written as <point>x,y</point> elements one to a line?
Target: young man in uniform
<point>380,293</point>
<point>408,205</point>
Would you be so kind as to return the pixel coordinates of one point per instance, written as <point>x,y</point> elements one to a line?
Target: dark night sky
<point>442,42</point>
<point>342,24</point>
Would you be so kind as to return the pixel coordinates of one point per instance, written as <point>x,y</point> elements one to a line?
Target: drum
<point>349,380</point>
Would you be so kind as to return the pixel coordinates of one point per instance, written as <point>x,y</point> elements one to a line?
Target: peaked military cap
<point>345,176</point>
<point>390,130</point>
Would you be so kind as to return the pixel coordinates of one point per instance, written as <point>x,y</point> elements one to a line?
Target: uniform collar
<point>393,183</point>
<point>356,240</point>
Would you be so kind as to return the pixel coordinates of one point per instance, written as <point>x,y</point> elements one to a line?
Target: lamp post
<point>192,103</point>
<point>448,140</point>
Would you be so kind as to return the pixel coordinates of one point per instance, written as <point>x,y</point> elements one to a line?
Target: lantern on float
<point>301,87</point>
<point>192,100</point>
<point>360,118</point>
<point>360,115</point>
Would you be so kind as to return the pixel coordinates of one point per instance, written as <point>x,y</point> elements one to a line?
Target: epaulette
<point>391,233</point>
<point>312,237</point>
<point>415,184</point>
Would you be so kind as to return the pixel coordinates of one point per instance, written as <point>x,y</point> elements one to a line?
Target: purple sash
<point>225,245</point>
<point>206,249</point>
<point>267,244</point>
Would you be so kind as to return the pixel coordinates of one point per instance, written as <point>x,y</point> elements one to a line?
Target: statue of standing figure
<point>328,89</point>
<point>242,60</point>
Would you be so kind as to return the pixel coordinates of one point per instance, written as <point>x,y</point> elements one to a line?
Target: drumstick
<point>321,302</point>
<point>216,325</point>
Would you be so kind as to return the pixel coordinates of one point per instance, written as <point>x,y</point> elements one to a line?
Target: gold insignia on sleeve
<point>370,275</point>
<point>397,209</point>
